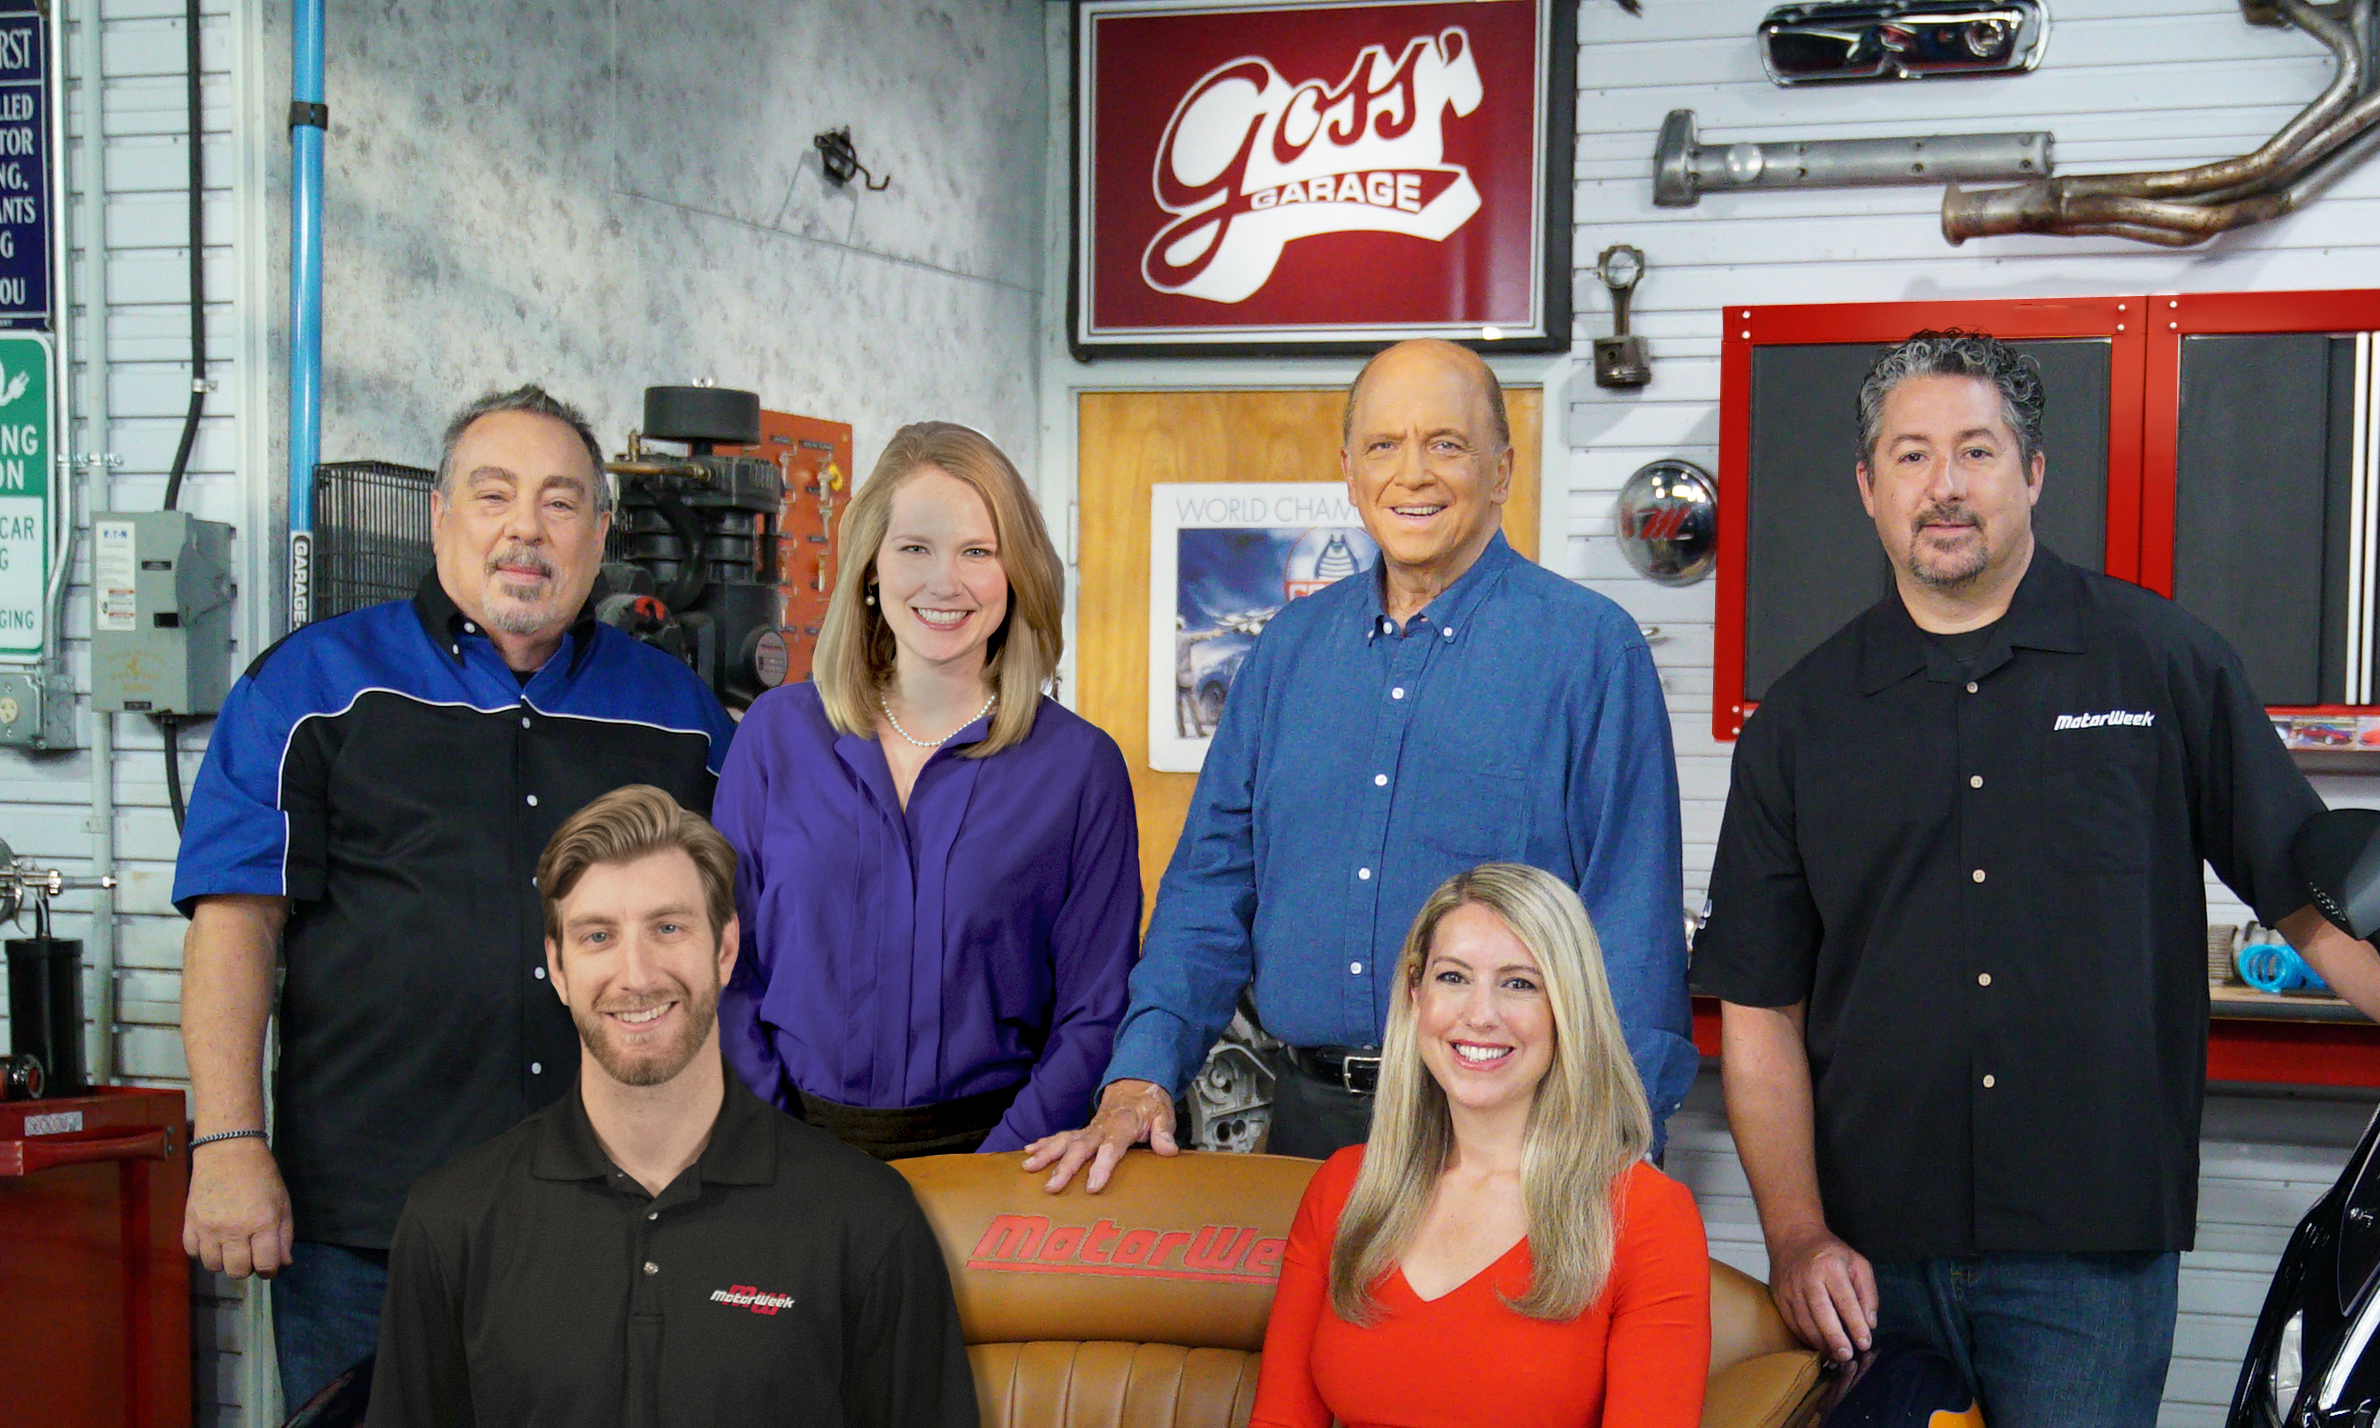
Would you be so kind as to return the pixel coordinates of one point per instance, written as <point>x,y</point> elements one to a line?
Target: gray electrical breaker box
<point>161,613</point>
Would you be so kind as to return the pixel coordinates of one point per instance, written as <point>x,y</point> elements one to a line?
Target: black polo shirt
<point>1986,883</point>
<point>389,775</point>
<point>782,1278</point>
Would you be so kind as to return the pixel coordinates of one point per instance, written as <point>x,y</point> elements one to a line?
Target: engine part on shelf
<point>1684,169</point>
<point>1901,39</point>
<point>1667,522</point>
<point>693,562</point>
<point>1621,359</point>
<point>2177,208</point>
<point>724,555</point>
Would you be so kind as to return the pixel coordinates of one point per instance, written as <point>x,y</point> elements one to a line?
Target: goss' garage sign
<point>1322,176</point>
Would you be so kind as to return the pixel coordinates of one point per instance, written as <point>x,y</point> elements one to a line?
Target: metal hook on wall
<point>841,160</point>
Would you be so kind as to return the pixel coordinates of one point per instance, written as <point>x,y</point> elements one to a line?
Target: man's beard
<point>650,1065</point>
<point>1964,566</point>
<point>520,609</point>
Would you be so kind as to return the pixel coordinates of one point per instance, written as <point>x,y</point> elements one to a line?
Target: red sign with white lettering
<point>1294,175</point>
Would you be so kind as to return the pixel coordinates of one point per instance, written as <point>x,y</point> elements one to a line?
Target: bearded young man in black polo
<point>659,1247</point>
<point>1958,924</point>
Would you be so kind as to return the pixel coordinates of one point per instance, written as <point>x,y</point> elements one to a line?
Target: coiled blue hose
<point>2276,967</point>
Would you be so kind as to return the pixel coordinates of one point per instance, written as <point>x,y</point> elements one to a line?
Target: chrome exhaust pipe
<point>2182,207</point>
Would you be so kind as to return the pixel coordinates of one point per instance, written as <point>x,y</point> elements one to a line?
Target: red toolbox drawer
<point>94,1288</point>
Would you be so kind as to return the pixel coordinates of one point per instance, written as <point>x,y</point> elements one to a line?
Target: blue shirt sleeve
<point>1201,948</point>
<point>1626,845</point>
<point>255,823</point>
<point>1091,946</point>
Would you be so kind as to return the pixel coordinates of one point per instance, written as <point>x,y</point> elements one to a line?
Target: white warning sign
<point>115,571</point>
<point>25,447</point>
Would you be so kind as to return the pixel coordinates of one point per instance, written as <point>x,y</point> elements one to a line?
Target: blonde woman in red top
<point>1499,1252</point>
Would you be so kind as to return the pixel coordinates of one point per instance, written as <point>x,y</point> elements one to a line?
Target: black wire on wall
<point>198,271</point>
<point>170,725</point>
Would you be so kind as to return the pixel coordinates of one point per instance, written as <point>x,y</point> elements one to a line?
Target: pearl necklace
<point>937,743</point>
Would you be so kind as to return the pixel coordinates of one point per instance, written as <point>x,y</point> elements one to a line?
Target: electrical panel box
<point>161,617</point>
<point>36,709</point>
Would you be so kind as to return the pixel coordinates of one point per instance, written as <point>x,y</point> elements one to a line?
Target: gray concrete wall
<point>605,194</point>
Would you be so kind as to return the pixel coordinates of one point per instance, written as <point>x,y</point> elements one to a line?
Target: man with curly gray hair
<point>1958,923</point>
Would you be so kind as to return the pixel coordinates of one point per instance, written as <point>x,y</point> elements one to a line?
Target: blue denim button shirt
<point>1358,765</point>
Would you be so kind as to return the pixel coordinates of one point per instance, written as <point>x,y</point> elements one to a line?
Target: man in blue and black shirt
<point>370,815</point>
<point>1457,705</point>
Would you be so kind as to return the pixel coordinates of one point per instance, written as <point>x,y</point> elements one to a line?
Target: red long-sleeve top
<point>1637,1357</point>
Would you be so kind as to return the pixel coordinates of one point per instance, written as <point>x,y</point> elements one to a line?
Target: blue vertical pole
<point>308,120</point>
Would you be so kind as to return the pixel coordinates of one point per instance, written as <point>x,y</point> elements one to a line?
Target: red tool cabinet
<point>94,1288</point>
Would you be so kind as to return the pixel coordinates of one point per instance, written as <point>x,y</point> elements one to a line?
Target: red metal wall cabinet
<point>2145,334</point>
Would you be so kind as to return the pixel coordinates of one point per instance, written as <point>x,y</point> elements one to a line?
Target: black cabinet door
<point>1813,560</point>
<point>2262,490</point>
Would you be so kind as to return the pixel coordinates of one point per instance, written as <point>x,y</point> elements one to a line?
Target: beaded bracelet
<point>226,1135</point>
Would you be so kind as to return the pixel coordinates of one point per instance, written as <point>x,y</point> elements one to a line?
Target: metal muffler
<point>1685,169</point>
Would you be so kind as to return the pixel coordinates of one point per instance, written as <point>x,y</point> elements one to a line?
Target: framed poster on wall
<point>1224,557</point>
<point>1320,175</point>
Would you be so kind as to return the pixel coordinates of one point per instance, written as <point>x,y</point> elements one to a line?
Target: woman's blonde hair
<point>1588,1125</point>
<point>855,645</point>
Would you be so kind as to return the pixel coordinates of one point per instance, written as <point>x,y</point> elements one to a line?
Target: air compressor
<point>696,559</point>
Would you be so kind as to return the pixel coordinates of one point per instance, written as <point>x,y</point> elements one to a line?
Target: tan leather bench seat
<point>1144,1306</point>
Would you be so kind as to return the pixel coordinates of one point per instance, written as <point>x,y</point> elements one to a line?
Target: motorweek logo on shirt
<point>745,1296</point>
<point>2117,717</point>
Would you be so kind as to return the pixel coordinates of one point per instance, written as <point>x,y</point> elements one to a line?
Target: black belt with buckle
<point>1354,1069</point>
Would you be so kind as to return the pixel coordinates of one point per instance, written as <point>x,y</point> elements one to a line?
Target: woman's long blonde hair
<point>1588,1125</point>
<point>855,646</point>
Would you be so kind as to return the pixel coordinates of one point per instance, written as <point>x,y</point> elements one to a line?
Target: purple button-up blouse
<point>981,938</point>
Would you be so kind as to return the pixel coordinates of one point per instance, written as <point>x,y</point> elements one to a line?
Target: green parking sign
<point>26,366</point>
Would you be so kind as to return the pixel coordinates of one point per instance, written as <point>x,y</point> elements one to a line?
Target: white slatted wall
<point>2125,84</point>
<point>46,800</point>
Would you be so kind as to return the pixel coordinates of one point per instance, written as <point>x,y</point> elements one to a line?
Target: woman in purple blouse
<point>937,866</point>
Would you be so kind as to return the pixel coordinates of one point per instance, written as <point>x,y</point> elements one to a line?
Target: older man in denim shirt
<point>1459,705</point>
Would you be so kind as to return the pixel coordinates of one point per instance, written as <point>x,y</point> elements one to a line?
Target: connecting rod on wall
<point>2180,207</point>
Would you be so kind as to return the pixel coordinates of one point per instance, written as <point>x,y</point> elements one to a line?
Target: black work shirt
<point>782,1278</point>
<point>389,775</point>
<point>1986,884</point>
